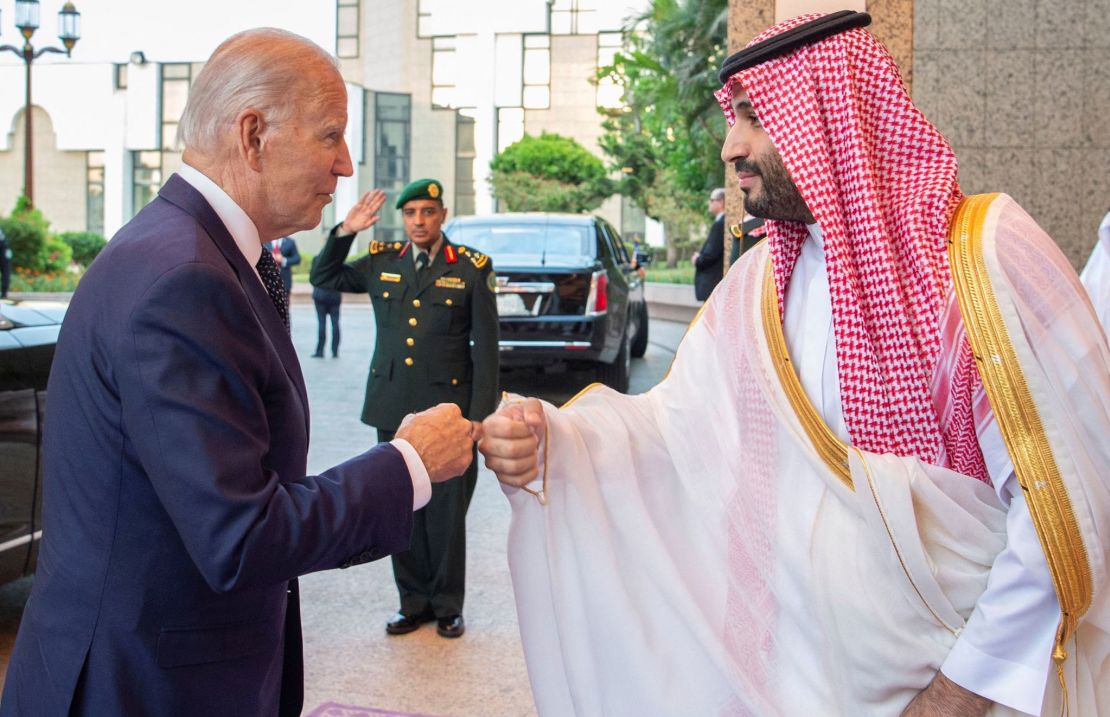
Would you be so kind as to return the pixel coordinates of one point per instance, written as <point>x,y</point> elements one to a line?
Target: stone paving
<point>349,660</point>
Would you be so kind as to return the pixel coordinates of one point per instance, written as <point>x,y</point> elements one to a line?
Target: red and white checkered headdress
<point>881,182</point>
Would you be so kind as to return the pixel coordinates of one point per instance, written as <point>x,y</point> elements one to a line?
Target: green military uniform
<point>436,343</point>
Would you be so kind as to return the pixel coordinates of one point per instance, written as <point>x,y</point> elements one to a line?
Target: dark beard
<point>778,196</point>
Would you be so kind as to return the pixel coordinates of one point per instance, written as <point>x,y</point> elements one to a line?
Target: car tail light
<point>598,301</point>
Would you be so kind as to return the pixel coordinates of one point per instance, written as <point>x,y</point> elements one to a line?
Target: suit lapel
<point>181,194</point>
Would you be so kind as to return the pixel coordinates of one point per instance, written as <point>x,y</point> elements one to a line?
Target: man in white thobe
<point>875,479</point>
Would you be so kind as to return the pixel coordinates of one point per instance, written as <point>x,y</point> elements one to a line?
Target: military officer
<point>436,317</point>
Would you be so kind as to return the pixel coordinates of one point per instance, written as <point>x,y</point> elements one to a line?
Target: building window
<point>146,178</point>
<point>444,71</point>
<point>119,79</point>
<point>464,162</point>
<point>537,72</point>
<point>609,91</point>
<point>392,151</point>
<point>346,28</point>
<point>176,79</point>
<point>573,17</point>
<point>94,192</point>
<point>510,126</point>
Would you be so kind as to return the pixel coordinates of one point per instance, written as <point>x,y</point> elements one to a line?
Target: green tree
<point>666,140</point>
<point>549,173</point>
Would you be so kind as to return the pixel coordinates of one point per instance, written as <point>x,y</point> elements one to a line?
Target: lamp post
<point>69,31</point>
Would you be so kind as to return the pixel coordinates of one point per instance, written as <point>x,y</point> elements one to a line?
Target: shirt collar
<point>432,253</point>
<point>816,235</point>
<point>238,224</point>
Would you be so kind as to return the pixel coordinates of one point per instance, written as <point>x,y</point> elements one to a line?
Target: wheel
<point>615,375</point>
<point>639,344</point>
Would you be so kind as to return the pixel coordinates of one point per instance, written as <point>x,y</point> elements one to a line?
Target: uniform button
<point>385,295</point>
<point>454,382</point>
<point>412,321</point>
<point>449,302</point>
<point>416,303</point>
<point>408,361</point>
<point>410,342</point>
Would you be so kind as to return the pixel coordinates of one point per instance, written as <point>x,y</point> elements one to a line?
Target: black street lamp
<point>69,32</point>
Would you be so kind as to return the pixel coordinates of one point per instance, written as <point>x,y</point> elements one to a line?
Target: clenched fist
<point>511,439</point>
<point>443,439</point>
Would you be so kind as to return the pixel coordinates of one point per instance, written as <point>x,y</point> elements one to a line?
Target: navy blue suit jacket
<point>177,512</point>
<point>288,249</point>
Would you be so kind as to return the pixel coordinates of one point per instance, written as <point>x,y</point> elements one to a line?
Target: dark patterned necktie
<point>271,279</point>
<point>421,262</point>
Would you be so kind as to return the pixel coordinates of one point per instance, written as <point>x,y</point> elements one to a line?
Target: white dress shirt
<point>245,234</point>
<point>1004,651</point>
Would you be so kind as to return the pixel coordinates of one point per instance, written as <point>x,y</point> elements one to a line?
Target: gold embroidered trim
<point>1019,420</point>
<point>581,393</point>
<point>832,450</point>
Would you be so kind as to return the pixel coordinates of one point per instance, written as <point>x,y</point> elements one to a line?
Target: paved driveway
<point>348,658</point>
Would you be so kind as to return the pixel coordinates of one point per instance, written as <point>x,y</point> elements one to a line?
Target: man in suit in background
<point>436,317</point>
<point>178,513</point>
<point>709,262</point>
<point>286,257</point>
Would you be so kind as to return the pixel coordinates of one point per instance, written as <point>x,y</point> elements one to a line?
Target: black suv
<point>28,334</point>
<point>567,291</point>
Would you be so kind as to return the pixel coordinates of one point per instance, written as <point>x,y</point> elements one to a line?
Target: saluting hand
<point>443,439</point>
<point>364,214</point>
<point>511,439</point>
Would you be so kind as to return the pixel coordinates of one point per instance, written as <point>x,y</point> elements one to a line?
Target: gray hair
<point>256,68</point>
<point>717,195</point>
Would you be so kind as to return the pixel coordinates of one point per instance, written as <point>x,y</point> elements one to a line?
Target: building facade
<point>435,89</point>
<point>1021,89</point>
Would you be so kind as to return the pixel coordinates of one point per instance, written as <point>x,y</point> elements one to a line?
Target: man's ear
<point>251,126</point>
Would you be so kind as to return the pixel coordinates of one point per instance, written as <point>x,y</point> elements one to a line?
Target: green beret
<point>421,189</point>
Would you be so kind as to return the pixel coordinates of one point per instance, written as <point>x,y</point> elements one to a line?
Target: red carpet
<point>331,709</point>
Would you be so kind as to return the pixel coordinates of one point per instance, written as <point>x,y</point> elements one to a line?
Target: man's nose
<point>735,146</point>
<point>344,167</point>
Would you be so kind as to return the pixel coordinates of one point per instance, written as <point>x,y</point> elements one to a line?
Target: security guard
<point>436,317</point>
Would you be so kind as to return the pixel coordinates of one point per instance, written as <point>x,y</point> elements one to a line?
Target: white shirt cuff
<point>1012,684</point>
<point>421,482</point>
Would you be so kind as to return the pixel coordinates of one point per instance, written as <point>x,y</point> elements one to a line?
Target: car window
<point>606,241</point>
<point>547,240</point>
<point>617,244</point>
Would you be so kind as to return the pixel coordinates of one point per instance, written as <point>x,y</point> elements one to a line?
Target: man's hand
<point>511,439</point>
<point>443,439</point>
<point>944,698</point>
<point>694,258</point>
<point>364,214</point>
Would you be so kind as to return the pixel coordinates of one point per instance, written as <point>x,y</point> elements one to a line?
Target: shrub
<point>27,240</point>
<point>24,280</point>
<point>549,173</point>
<point>85,245</point>
<point>56,256</point>
<point>303,268</point>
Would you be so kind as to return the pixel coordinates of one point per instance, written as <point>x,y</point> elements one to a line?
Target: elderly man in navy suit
<point>178,513</point>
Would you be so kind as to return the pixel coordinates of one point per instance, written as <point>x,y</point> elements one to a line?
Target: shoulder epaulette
<point>382,247</point>
<point>476,257</point>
